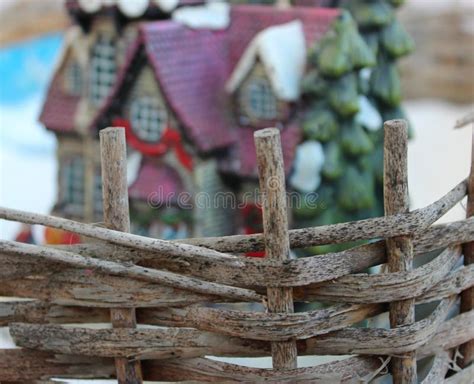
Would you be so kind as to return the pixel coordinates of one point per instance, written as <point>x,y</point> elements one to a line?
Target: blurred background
<point>437,79</point>
<point>438,88</point>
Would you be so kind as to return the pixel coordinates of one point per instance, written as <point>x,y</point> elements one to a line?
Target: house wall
<point>75,146</point>
<point>215,204</point>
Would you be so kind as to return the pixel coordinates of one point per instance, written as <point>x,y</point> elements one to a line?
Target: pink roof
<point>59,108</point>
<point>248,20</point>
<point>191,67</point>
<point>157,183</point>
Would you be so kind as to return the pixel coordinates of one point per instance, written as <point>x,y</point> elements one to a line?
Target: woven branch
<point>388,226</point>
<point>388,287</point>
<point>186,342</point>
<point>71,286</point>
<point>21,364</point>
<point>146,274</point>
<point>403,224</point>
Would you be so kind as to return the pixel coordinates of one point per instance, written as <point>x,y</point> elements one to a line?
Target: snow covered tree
<point>351,87</point>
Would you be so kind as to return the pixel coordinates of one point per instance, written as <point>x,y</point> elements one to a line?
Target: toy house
<point>191,90</point>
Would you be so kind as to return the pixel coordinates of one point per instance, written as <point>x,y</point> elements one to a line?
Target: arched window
<point>148,118</point>
<point>103,68</point>
<point>259,101</point>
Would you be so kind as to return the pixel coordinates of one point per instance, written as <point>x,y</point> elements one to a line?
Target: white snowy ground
<point>439,158</point>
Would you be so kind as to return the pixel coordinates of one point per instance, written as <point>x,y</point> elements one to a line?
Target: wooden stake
<point>399,249</point>
<point>467,296</point>
<point>113,152</point>
<point>275,226</point>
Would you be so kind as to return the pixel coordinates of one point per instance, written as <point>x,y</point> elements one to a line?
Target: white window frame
<point>103,70</point>
<point>259,100</point>
<point>148,118</point>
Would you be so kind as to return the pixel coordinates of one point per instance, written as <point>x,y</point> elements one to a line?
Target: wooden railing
<point>125,279</point>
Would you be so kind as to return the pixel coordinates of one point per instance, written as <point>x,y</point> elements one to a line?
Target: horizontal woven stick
<point>452,284</point>
<point>298,272</point>
<point>146,274</point>
<point>403,224</point>
<point>274,327</point>
<point>450,334</point>
<point>48,312</point>
<point>389,226</point>
<point>22,365</point>
<point>207,370</point>
<point>388,287</point>
<point>116,237</point>
<point>73,286</point>
<point>187,342</point>
<point>302,271</point>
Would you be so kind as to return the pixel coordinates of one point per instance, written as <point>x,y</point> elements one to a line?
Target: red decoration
<point>58,236</point>
<point>253,223</point>
<point>171,140</point>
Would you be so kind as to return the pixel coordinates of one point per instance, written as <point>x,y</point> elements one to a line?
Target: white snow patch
<point>282,51</point>
<point>134,161</point>
<point>133,8</point>
<point>308,163</point>
<point>368,116</point>
<point>166,5</point>
<point>90,6</point>
<point>213,15</point>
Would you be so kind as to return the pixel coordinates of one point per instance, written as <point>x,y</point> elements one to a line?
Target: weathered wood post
<point>400,248</point>
<point>275,227</point>
<point>467,296</point>
<point>113,153</point>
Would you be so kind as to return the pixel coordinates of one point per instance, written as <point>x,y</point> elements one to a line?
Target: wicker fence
<point>127,279</point>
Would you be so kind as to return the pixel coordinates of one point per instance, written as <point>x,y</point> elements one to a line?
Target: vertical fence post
<point>400,248</point>
<point>113,153</point>
<point>275,226</point>
<point>467,296</point>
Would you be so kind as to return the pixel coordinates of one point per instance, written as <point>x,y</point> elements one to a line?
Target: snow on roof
<point>213,15</point>
<point>282,51</point>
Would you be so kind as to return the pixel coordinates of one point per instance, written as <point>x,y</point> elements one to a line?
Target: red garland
<point>171,140</point>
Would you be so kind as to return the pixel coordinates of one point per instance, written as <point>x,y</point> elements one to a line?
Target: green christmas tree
<point>351,87</point>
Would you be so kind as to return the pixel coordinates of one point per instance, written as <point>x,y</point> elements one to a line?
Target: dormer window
<point>73,79</point>
<point>258,100</point>
<point>148,118</point>
<point>103,68</point>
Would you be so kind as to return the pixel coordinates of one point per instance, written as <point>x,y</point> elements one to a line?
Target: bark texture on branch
<point>400,248</point>
<point>129,270</point>
<point>275,226</point>
<point>211,249</point>
<point>415,222</point>
<point>113,152</point>
<point>22,365</point>
<point>467,297</point>
<point>187,342</point>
